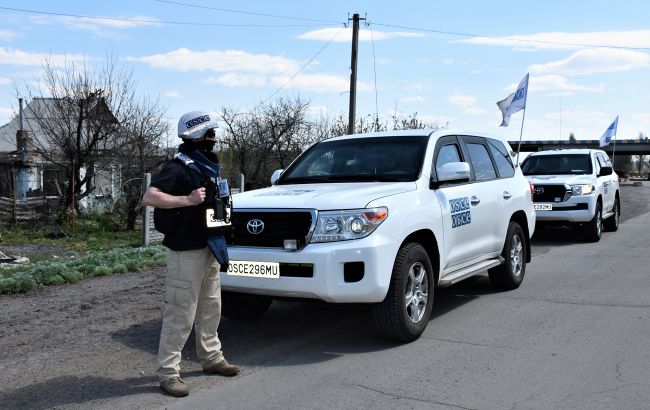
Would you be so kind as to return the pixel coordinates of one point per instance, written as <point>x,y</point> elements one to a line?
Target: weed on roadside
<point>24,278</point>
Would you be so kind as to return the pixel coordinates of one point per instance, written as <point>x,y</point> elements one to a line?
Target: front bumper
<point>328,283</point>
<point>575,209</point>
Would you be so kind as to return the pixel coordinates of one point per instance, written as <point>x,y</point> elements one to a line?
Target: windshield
<point>383,159</point>
<point>566,164</point>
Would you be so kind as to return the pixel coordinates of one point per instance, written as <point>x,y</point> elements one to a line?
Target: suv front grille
<point>277,226</point>
<point>551,193</point>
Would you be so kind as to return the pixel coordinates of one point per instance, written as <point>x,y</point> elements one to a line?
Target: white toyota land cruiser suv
<point>382,219</point>
<point>575,187</point>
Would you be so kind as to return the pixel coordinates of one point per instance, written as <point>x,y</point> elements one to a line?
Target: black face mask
<point>206,146</point>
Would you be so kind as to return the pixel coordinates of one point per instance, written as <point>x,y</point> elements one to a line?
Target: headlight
<point>345,225</point>
<point>582,189</point>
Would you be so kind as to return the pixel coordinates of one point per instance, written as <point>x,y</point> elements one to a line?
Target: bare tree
<point>77,112</point>
<point>139,147</point>
<point>369,123</point>
<point>269,137</point>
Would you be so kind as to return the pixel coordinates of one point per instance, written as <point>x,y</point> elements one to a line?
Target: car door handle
<point>506,195</point>
<point>474,200</point>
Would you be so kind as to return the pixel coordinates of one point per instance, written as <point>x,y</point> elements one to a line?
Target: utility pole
<point>353,74</point>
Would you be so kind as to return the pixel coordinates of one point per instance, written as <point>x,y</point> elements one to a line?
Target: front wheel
<point>404,313</point>
<point>510,274</point>
<point>242,306</point>
<point>593,229</point>
<point>611,224</point>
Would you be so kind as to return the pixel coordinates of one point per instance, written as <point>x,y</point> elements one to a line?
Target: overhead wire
<point>178,3</point>
<point>297,73</point>
<point>332,22</point>
<point>152,21</point>
<point>556,43</point>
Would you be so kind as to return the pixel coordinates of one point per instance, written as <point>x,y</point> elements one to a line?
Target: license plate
<point>543,207</point>
<point>264,270</point>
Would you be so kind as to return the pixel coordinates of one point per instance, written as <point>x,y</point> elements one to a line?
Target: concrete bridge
<point>623,147</point>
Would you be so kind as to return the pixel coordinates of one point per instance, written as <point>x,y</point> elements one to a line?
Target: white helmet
<point>193,125</point>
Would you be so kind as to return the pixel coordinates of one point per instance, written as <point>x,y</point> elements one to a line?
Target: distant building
<point>23,165</point>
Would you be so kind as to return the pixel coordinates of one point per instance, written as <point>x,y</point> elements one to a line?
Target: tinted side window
<point>448,153</point>
<point>481,162</point>
<point>502,158</point>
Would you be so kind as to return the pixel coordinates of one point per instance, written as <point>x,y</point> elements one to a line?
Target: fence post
<point>147,213</point>
<point>241,182</point>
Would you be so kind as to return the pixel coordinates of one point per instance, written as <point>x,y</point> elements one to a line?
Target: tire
<point>510,274</point>
<point>404,313</point>
<point>611,224</point>
<point>242,306</point>
<point>592,230</point>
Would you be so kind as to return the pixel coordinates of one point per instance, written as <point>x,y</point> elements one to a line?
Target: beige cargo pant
<point>192,295</point>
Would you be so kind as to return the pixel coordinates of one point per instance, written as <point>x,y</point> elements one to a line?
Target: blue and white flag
<point>514,102</point>
<point>609,133</point>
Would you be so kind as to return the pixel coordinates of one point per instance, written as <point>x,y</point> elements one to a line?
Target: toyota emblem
<point>539,190</point>
<point>255,226</point>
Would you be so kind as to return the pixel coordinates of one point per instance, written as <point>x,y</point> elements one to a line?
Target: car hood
<point>320,196</point>
<point>561,179</point>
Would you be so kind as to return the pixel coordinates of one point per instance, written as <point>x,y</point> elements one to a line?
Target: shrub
<point>24,278</point>
<point>102,271</point>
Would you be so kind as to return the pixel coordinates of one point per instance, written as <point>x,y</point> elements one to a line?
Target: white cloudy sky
<point>589,61</point>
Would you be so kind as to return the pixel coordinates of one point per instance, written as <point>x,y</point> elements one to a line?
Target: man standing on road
<point>192,284</point>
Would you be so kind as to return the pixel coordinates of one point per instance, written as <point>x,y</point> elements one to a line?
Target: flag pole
<point>521,133</point>
<point>614,151</point>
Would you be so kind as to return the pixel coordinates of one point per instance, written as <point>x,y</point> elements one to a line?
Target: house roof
<point>31,125</point>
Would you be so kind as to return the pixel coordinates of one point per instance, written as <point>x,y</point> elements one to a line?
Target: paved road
<point>575,335</point>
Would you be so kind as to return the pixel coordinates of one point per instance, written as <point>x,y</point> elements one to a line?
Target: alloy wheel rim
<point>516,256</point>
<point>599,222</point>
<point>416,295</point>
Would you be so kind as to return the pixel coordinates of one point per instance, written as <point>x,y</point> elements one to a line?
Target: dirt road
<point>93,344</point>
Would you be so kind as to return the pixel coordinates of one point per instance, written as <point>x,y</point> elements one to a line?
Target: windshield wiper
<point>367,178</point>
<point>303,180</point>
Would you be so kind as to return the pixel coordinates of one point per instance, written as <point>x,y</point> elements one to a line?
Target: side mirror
<point>276,176</point>
<point>604,171</point>
<point>454,171</point>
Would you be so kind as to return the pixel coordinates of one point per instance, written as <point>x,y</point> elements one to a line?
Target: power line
<point>184,23</point>
<point>247,12</point>
<point>297,73</point>
<point>557,43</point>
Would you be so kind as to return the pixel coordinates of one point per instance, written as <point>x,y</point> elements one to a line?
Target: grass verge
<point>24,278</point>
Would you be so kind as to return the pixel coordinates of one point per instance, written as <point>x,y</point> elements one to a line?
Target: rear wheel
<point>593,229</point>
<point>510,274</point>
<point>404,313</point>
<point>611,223</point>
<point>242,306</point>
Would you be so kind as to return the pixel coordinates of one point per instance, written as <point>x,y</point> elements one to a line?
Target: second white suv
<point>575,187</point>
<point>382,219</point>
